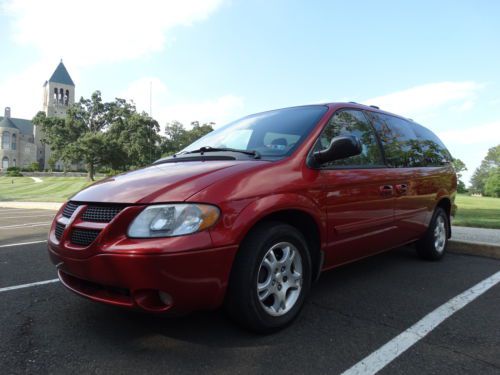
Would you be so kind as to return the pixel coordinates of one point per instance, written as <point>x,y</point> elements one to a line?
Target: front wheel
<point>432,245</point>
<point>270,279</point>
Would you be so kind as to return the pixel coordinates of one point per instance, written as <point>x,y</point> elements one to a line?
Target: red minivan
<point>249,215</point>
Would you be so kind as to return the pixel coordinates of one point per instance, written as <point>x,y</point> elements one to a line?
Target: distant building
<point>21,143</point>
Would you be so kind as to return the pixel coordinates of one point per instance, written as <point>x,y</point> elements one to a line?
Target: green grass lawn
<point>481,212</point>
<point>52,189</point>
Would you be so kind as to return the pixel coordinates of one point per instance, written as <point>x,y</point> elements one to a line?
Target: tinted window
<point>273,134</point>
<point>434,152</point>
<point>351,122</point>
<point>400,143</point>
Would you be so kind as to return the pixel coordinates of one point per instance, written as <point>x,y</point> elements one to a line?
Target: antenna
<point>150,98</point>
<point>151,115</point>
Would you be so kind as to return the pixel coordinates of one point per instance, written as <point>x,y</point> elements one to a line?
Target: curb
<point>474,248</point>
<point>32,205</point>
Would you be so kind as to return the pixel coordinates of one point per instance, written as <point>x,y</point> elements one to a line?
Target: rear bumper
<point>190,280</point>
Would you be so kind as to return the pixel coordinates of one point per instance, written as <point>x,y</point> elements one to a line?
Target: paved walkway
<point>489,236</point>
<point>32,205</point>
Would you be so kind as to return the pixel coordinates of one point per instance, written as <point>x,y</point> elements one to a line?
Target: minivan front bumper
<point>173,282</point>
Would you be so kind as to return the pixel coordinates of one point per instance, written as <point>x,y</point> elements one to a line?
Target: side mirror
<point>340,148</point>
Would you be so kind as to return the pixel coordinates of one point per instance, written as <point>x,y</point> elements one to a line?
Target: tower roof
<point>6,122</point>
<point>61,75</point>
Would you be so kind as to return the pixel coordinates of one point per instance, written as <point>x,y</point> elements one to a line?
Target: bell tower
<point>59,92</point>
<point>58,96</point>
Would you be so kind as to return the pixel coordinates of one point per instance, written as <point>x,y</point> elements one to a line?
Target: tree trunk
<point>90,172</point>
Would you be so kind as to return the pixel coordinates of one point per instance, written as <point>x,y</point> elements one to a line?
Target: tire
<point>432,246</point>
<point>270,278</point>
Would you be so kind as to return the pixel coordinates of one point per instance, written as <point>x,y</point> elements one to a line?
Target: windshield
<point>274,134</point>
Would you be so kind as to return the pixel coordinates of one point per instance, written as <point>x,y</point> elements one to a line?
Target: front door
<point>358,195</point>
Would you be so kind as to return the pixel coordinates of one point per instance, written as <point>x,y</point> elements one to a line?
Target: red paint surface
<point>353,217</point>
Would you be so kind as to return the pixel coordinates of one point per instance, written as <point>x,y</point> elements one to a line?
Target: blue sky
<point>215,60</point>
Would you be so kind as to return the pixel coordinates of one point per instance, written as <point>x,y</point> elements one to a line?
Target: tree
<point>482,173</point>
<point>492,184</point>
<point>177,137</point>
<point>137,133</point>
<point>102,134</point>
<point>460,167</point>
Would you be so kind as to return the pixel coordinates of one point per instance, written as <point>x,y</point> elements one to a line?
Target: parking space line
<point>22,243</point>
<point>27,225</point>
<point>27,285</point>
<point>399,344</point>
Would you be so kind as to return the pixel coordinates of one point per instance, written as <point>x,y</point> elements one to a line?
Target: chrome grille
<point>69,209</point>
<point>83,237</point>
<point>101,214</point>
<point>59,230</point>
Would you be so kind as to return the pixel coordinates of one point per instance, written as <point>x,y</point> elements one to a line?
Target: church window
<point>5,163</point>
<point>6,140</point>
<point>66,98</point>
<point>14,163</point>
<point>14,141</point>
<point>55,95</point>
<point>61,96</point>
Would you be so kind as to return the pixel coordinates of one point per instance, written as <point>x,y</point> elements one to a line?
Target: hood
<point>170,182</point>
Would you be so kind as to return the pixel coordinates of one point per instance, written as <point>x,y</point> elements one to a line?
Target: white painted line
<point>28,285</point>
<point>22,243</point>
<point>399,344</point>
<point>24,217</point>
<point>36,179</point>
<point>27,225</point>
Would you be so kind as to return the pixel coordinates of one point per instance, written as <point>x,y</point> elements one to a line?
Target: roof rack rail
<point>374,106</point>
<point>353,102</point>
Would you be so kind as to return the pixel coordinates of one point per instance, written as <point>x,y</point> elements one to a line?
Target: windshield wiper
<point>204,149</point>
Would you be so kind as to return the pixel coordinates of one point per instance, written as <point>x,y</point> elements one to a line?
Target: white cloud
<point>87,33</point>
<point>486,133</point>
<point>146,90</point>
<point>167,107</point>
<point>95,31</point>
<point>424,99</point>
<point>220,110</point>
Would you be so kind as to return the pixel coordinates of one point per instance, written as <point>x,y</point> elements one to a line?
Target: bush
<point>14,172</point>
<point>35,167</point>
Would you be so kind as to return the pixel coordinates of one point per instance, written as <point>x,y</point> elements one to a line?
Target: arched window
<point>14,162</point>
<point>61,96</point>
<point>5,163</point>
<point>66,98</point>
<point>6,140</point>
<point>14,141</point>
<point>55,95</point>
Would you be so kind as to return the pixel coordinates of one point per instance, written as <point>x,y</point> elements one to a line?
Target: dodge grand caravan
<point>249,215</point>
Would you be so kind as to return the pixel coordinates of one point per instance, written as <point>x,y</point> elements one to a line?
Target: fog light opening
<point>165,298</point>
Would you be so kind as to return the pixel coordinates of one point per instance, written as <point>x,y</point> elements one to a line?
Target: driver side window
<point>351,122</point>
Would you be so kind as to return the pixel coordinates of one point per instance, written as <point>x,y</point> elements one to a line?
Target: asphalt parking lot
<point>351,313</point>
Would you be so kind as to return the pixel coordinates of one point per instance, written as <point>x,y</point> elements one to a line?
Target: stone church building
<point>20,143</point>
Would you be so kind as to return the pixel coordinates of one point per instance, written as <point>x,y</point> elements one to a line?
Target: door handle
<point>402,188</point>
<point>386,190</point>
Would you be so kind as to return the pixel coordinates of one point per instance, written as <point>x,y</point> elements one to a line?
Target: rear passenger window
<point>401,146</point>
<point>434,152</point>
<point>351,122</point>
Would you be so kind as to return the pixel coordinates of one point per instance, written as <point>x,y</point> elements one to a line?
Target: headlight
<point>173,220</point>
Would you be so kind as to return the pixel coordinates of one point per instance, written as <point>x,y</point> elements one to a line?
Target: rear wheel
<point>270,278</point>
<point>432,245</point>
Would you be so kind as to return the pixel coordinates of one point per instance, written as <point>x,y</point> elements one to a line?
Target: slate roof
<point>24,126</point>
<point>7,123</point>
<point>61,75</point>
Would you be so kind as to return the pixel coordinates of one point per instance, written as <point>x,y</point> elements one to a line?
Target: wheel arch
<point>445,204</point>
